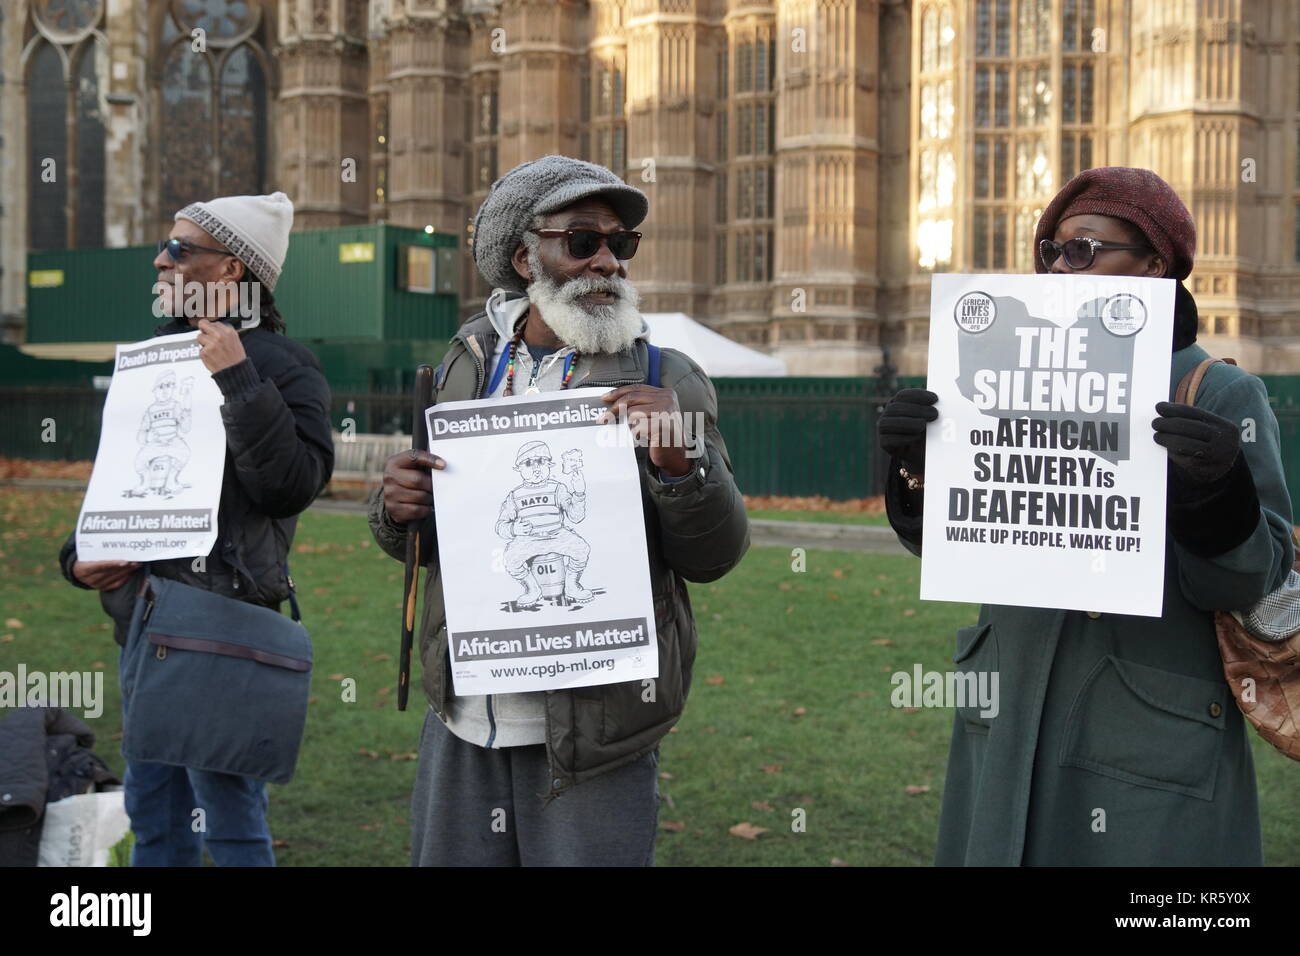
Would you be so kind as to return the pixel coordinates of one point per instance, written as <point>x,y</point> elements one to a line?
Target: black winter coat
<point>279,456</point>
<point>45,756</point>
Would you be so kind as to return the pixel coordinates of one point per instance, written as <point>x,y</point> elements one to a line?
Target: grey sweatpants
<point>475,806</point>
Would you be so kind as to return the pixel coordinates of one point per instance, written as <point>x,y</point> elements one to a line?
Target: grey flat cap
<point>535,188</point>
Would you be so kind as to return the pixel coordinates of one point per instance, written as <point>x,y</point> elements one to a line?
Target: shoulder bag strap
<point>652,368</point>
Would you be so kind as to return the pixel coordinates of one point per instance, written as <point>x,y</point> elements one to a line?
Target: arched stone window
<point>212,84</point>
<point>63,61</point>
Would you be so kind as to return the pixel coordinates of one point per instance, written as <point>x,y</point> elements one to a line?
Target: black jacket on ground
<point>45,756</point>
<point>279,456</point>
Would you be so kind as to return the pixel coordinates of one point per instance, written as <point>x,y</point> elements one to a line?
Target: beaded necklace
<point>569,366</point>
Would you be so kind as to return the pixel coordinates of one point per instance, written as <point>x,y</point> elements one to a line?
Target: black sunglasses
<point>177,249</point>
<point>1079,251</point>
<point>584,243</point>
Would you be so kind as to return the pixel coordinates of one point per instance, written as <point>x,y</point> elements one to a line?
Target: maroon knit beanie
<point>1136,195</point>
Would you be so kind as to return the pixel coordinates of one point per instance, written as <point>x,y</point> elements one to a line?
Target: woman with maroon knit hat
<point>1117,740</point>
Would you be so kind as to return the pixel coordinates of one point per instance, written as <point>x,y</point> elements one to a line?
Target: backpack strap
<point>1185,394</point>
<point>652,368</point>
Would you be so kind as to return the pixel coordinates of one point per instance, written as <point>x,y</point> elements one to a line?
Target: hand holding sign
<point>104,575</point>
<point>408,485</point>
<point>221,345</point>
<point>655,419</point>
<point>1202,446</point>
<point>902,426</point>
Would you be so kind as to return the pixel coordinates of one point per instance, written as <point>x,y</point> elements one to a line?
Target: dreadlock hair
<point>270,318</point>
<point>272,321</point>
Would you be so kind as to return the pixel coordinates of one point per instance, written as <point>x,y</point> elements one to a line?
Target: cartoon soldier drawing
<point>533,519</point>
<point>163,452</point>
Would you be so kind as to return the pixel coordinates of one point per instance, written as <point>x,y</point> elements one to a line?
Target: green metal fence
<point>786,436</point>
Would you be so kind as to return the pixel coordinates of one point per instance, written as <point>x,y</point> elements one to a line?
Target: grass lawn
<point>789,710</point>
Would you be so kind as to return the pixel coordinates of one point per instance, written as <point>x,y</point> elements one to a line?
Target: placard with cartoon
<point>156,485</point>
<point>542,544</point>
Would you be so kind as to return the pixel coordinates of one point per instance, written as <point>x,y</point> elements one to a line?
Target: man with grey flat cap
<point>565,777</point>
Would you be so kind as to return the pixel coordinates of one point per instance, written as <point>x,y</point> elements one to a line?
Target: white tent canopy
<point>716,354</point>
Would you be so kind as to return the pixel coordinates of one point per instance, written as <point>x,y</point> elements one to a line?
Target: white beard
<point>590,329</point>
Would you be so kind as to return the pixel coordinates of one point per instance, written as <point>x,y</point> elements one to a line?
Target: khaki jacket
<point>696,530</point>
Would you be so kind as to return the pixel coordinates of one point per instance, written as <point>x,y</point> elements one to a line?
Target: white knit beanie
<point>254,228</point>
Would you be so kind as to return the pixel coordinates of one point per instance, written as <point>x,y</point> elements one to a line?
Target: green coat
<point>1117,721</point>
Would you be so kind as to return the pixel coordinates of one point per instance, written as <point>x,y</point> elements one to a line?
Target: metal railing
<point>784,436</point>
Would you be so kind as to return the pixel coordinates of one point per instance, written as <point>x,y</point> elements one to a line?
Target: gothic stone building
<point>809,162</point>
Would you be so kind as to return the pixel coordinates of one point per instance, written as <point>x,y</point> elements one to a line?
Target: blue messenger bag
<point>212,683</point>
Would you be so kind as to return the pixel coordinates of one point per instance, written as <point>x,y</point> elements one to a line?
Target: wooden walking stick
<point>420,442</point>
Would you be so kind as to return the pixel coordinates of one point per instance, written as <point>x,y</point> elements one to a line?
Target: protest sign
<point>545,575</point>
<point>1043,485</point>
<point>156,485</point>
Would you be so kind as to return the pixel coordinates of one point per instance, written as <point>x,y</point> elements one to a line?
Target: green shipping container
<point>372,283</point>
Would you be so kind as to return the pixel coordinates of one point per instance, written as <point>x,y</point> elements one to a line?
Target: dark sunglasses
<point>584,243</point>
<point>178,249</point>
<point>1079,251</point>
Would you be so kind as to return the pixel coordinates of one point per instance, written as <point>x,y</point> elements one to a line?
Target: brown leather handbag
<point>1262,671</point>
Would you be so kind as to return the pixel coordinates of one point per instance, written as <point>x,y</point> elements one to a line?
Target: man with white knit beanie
<point>279,456</point>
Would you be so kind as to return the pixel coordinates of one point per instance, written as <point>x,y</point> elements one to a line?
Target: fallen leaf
<point>762,805</point>
<point>910,710</point>
<point>665,776</point>
<point>800,711</point>
<point>381,657</point>
<point>747,830</point>
<point>673,826</point>
<point>6,639</point>
<point>313,700</point>
<point>876,592</point>
<point>836,861</point>
<point>908,612</point>
<point>883,642</point>
<point>368,753</point>
<point>279,843</point>
<point>405,756</point>
<point>320,590</point>
<point>672,730</point>
<point>715,680</point>
<point>13,622</point>
<point>98,665</point>
<point>784,585</point>
<point>771,768</point>
<point>789,610</point>
<point>336,676</point>
<point>913,789</point>
<point>837,573</point>
<point>832,596</point>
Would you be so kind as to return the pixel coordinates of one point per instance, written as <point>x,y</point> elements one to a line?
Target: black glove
<point>1213,504</point>
<point>902,426</point>
<point>1202,446</point>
